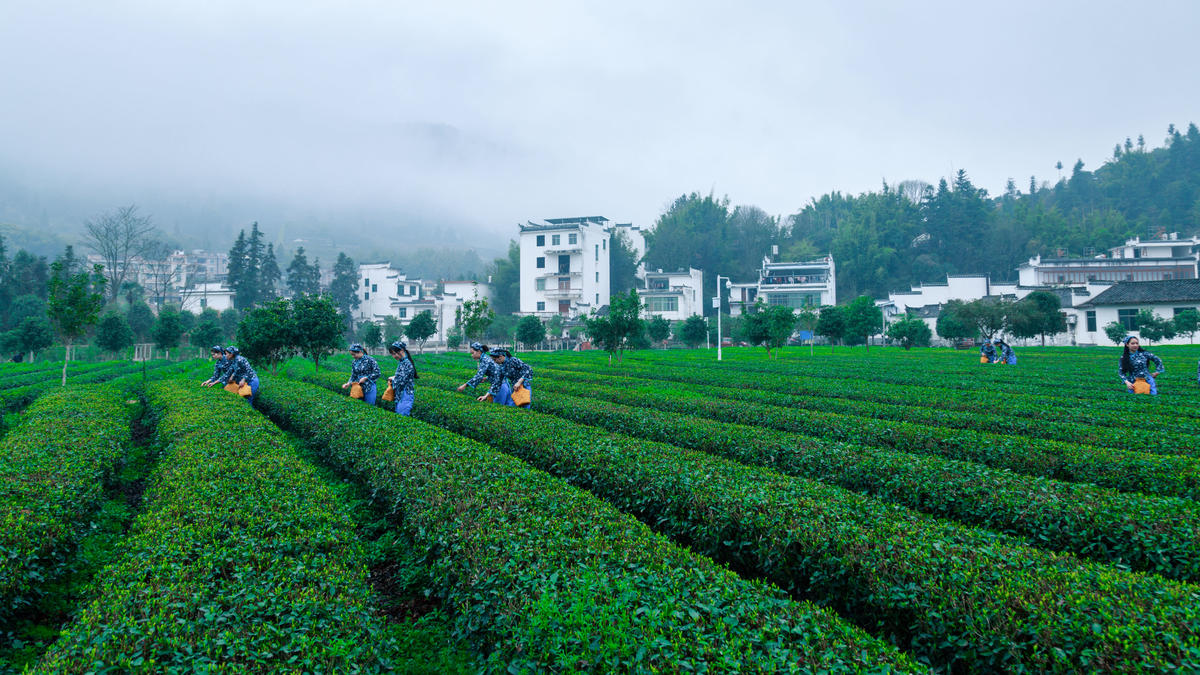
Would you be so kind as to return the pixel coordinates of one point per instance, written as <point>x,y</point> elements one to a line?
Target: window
<point>572,238</point>
<point>1091,320</point>
<point>1180,310</point>
<point>539,284</point>
<point>366,282</point>
<point>597,277</point>
<point>662,304</point>
<point>597,298</point>
<point>203,302</point>
<point>366,296</point>
<point>374,288</point>
<point>554,239</point>
<point>541,263</point>
<point>541,240</point>
<point>564,264</point>
<point>1127,318</point>
<point>605,244</point>
<point>403,312</point>
<point>597,251</point>
<point>541,306</point>
<point>564,283</point>
<point>794,300</point>
<point>657,284</point>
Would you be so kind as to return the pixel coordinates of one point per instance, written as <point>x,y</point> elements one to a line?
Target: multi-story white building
<point>216,296</point>
<point>674,295</point>
<point>564,266</point>
<point>810,283</point>
<point>1163,259</point>
<point>385,291</point>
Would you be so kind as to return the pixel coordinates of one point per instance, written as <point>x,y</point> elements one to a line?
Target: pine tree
<point>270,274</point>
<point>344,287</point>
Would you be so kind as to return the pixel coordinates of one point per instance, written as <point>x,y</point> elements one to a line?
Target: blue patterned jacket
<point>489,370</point>
<point>402,381</point>
<point>240,370</point>
<point>1139,363</point>
<point>365,366</point>
<point>516,369</point>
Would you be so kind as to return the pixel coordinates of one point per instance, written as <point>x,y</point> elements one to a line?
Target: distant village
<point>565,271</point>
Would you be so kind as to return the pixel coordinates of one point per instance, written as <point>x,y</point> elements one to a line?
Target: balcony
<point>547,274</point>
<point>563,293</point>
<point>563,248</point>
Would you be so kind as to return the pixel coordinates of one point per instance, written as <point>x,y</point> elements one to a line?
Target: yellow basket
<point>389,394</point>
<point>245,391</point>
<point>356,390</point>
<point>1141,386</point>
<point>231,388</point>
<point>521,397</point>
<point>983,359</point>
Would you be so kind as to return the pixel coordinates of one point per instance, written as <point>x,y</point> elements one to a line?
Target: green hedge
<point>1160,535</point>
<point>1124,470</point>
<point>1038,398</point>
<point>962,598</point>
<point>245,559</point>
<point>544,577</point>
<point>53,472</point>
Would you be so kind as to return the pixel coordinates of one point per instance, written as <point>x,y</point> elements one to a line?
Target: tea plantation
<point>839,511</point>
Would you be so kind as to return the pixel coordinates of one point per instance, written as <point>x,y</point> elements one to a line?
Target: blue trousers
<point>404,404</point>
<point>369,392</point>
<point>253,389</point>
<point>505,395</point>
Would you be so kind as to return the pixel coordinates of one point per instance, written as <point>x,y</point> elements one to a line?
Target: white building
<point>674,295</point>
<point>1163,259</point>
<point>1121,303</point>
<point>810,283</point>
<point>385,291</point>
<point>215,296</point>
<point>564,266</point>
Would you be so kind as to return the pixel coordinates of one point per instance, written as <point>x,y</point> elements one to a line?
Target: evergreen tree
<point>506,281</point>
<point>530,331</point>
<point>168,329</point>
<point>344,286</point>
<point>421,328</point>
<point>113,333</point>
<point>693,331</point>
<point>910,332</point>
<point>658,329</point>
<point>303,278</point>
<point>141,320</point>
<point>270,274</point>
<point>75,301</point>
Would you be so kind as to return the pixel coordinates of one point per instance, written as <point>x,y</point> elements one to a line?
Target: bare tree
<point>913,190</point>
<point>159,270</point>
<point>119,237</point>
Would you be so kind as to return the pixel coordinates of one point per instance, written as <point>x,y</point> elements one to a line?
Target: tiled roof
<point>1135,292</point>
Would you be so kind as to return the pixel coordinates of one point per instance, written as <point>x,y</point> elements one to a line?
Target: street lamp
<point>717,304</point>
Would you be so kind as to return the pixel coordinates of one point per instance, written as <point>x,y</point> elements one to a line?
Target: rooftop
<point>1134,292</point>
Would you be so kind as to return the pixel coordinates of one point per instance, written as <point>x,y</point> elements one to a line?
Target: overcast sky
<point>487,114</point>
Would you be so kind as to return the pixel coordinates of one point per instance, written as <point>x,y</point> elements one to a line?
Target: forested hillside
<point>912,231</point>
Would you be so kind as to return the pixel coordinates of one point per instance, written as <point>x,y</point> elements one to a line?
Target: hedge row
<point>19,397</point>
<point>544,577</point>
<point>1013,421</point>
<point>1036,400</point>
<point>245,559</point>
<point>962,598</point>
<point>53,472</point>
<point>1160,535</point>
<point>54,375</point>
<point>1124,470</point>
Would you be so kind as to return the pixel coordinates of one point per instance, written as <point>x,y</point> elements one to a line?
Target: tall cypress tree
<point>344,287</point>
<point>270,274</point>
